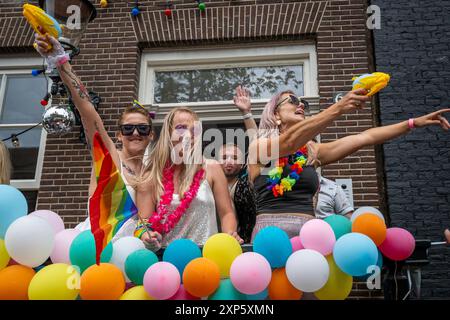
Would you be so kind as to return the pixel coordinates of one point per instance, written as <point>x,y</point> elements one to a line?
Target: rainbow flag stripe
<point>111,204</point>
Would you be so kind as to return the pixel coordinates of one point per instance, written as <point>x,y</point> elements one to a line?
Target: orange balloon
<point>201,277</point>
<point>102,282</point>
<point>372,226</point>
<point>14,282</point>
<point>280,288</point>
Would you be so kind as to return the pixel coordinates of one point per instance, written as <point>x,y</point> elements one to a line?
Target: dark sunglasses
<point>142,129</point>
<point>295,101</point>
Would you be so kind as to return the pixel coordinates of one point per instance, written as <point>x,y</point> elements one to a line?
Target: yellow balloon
<point>58,281</point>
<point>222,249</point>
<point>4,256</point>
<point>136,293</point>
<point>339,284</point>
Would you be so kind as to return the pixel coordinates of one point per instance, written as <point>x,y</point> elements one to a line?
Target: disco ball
<point>58,119</point>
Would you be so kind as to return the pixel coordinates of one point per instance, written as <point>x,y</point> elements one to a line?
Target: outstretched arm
<point>339,149</point>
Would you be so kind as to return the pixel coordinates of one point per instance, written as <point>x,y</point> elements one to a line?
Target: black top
<point>298,200</point>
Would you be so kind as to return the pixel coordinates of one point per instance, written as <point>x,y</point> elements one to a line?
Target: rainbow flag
<point>111,204</point>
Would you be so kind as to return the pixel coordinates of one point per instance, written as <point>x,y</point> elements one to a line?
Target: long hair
<point>164,152</point>
<point>5,164</point>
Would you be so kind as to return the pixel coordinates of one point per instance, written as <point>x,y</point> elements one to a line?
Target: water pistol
<point>37,17</point>
<point>373,82</point>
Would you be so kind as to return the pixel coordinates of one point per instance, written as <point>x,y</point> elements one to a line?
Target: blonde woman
<point>285,188</point>
<point>180,191</point>
<point>5,164</point>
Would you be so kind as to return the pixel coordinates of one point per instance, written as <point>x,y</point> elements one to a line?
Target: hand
<point>53,55</point>
<point>353,100</point>
<point>236,236</point>
<point>152,240</point>
<point>242,100</point>
<point>434,118</point>
<point>447,236</point>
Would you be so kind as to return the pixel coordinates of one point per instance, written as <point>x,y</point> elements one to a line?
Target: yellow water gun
<point>37,17</point>
<point>373,82</point>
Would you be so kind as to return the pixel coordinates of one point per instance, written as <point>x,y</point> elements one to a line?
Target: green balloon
<point>226,291</point>
<point>340,225</point>
<point>137,264</point>
<point>202,6</point>
<point>82,251</point>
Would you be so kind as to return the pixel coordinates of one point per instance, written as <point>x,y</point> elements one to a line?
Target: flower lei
<point>161,221</point>
<point>278,185</point>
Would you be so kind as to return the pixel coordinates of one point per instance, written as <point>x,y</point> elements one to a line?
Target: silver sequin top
<point>199,222</point>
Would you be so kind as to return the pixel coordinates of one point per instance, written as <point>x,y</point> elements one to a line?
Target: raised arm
<point>80,96</point>
<point>242,101</point>
<point>263,150</point>
<point>339,149</point>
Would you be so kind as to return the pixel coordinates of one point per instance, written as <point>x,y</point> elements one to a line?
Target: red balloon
<point>398,245</point>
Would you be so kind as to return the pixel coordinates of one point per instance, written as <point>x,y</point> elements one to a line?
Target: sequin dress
<point>199,221</point>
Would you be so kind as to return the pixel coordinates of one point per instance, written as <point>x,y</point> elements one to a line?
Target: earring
<point>278,122</point>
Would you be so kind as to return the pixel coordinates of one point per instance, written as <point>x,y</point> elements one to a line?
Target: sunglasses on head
<point>142,129</point>
<point>295,101</point>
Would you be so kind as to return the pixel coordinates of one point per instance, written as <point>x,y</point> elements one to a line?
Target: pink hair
<point>268,125</point>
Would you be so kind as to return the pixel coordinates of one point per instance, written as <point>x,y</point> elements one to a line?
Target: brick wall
<point>413,45</point>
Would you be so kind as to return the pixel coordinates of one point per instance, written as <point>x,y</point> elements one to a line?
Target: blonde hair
<point>162,155</point>
<point>5,164</point>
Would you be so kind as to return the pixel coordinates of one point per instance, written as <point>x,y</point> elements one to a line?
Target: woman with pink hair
<point>283,159</point>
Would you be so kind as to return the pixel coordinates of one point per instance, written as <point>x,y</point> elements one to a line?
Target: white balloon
<point>363,210</point>
<point>30,240</point>
<point>307,270</point>
<point>122,248</point>
<point>61,249</point>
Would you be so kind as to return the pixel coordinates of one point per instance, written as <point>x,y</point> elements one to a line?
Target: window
<point>205,79</point>
<point>20,109</point>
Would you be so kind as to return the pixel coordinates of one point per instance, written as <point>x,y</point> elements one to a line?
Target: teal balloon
<point>226,291</point>
<point>137,264</point>
<point>180,252</point>
<point>82,251</point>
<point>340,225</point>
<point>259,296</point>
<point>274,244</point>
<point>379,264</point>
<point>13,205</point>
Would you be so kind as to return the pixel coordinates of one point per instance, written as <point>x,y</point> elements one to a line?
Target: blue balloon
<point>354,253</point>
<point>259,296</point>
<point>372,272</point>
<point>226,291</point>
<point>13,205</point>
<point>180,252</point>
<point>274,244</point>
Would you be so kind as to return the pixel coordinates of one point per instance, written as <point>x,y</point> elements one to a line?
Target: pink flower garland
<point>166,199</point>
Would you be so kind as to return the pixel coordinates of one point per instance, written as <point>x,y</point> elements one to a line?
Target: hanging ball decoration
<point>103,3</point>
<point>202,6</point>
<point>36,72</point>
<point>168,12</point>
<point>135,12</point>
<point>44,102</point>
<point>58,119</point>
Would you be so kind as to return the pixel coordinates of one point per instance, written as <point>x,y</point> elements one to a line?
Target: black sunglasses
<point>142,129</point>
<point>295,101</point>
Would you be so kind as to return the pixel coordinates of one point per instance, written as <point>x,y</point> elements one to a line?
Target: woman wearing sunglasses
<point>180,192</point>
<point>282,160</point>
<point>135,126</point>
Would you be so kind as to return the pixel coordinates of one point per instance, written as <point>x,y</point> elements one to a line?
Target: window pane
<point>23,158</point>
<point>21,103</point>
<point>220,84</point>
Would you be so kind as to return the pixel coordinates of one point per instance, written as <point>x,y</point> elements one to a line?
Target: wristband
<point>411,123</point>
<point>247,116</point>
<point>63,59</point>
<point>138,233</point>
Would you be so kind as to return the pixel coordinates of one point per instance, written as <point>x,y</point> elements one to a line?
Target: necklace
<point>162,221</point>
<point>295,163</point>
<point>130,171</point>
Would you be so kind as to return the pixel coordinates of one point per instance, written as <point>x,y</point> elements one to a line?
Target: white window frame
<point>24,65</point>
<point>224,111</point>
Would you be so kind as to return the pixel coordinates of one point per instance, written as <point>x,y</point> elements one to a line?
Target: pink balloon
<point>318,235</point>
<point>296,244</point>
<point>398,245</point>
<point>250,273</point>
<point>61,249</point>
<point>52,218</point>
<point>162,280</point>
<point>182,294</point>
